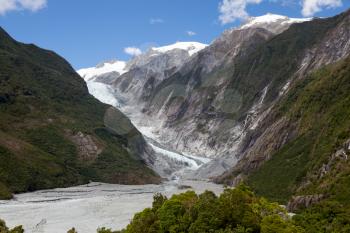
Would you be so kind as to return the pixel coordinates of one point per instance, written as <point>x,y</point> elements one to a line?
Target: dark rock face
<point>302,202</point>
<point>331,48</point>
<point>146,71</point>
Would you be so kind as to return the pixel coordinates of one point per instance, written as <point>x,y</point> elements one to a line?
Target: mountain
<point>227,103</point>
<point>212,110</point>
<point>147,85</point>
<point>131,83</point>
<point>290,56</point>
<point>114,66</point>
<point>138,76</point>
<point>272,22</point>
<point>54,133</point>
<point>120,67</point>
<point>303,145</point>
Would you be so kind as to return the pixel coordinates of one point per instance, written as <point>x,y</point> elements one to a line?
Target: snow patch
<point>114,66</point>
<point>272,18</point>
<point>190,47</point>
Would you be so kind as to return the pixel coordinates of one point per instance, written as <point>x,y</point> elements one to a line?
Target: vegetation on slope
<point>320,105</point>
<point>44,104</point>
<point>273,63</point>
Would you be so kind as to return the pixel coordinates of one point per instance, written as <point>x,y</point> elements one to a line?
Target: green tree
<point>105,230</point>
<point>5,229</point>
<point>328,216</point>
<point>158,200</point>
<point>72,230</point>
<point>276,224</point>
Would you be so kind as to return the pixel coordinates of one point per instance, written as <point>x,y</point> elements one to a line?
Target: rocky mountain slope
<point>174,94</point>
<point>303,145</point>
<point>265,75</point>
<point>224,102</point>
<point>135,86</point>
<point>53,133</point>
<point>128,86</point>
<point>135,80</point>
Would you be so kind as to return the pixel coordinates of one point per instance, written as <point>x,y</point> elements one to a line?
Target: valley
<point>247,133</point>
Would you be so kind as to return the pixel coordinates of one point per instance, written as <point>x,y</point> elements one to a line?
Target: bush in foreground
<point>5,229</point>
<point>234,211</point>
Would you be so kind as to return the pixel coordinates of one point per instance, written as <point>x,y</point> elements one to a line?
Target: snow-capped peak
<point>272,22</point>
<point>122,67</point>
<point>103,68</point>
<point>191,47</point>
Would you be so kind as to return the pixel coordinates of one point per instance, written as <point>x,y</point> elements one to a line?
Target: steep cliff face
<point>202,112</point>
<point>147,71</point>
<point>313,160</point>
<point>265,75</point>
<point>274,132</point>
<point>196,107</point>
<point>53,132</point>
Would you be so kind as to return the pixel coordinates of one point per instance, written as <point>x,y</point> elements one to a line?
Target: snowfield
<point>272,18</point>
<point>88,74</point>
<point>191,47</point>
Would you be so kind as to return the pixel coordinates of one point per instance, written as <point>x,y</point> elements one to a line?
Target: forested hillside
<point>53,132</point>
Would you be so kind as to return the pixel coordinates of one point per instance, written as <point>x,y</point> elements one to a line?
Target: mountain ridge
<point>53,132</point>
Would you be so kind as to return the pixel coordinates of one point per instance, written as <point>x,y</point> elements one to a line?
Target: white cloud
<point>11,5</point>
<point>7,5</point>
<point>311,7</point>
<point>191,33</point>
<point>33,5</point>
<point>231,10</point>
<point>133,51</point>
<point>286,3</point>
<point>156,21</point>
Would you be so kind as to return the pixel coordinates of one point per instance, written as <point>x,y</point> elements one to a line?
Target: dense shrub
<point>235,210</point>
<point>5,229</point>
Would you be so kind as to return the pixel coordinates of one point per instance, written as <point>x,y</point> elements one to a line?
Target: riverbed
<point>88,207</point>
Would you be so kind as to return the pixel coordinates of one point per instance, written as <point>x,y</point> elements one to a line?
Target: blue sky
<point>86,32</point>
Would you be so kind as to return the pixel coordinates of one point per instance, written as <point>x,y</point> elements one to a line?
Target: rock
<point>300,202</point>
<point>88,146</point>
